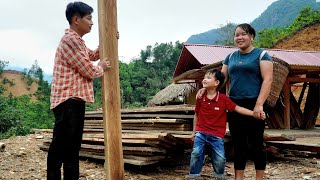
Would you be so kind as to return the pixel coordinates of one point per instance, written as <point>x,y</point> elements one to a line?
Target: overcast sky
<point>31,29</point>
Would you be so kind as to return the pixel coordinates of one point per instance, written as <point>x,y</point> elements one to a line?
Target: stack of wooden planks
<point>149,135</point>
<point>161,134</point>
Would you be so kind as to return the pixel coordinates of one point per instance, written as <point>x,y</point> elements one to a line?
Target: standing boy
<point>71,87</point>
<point>209,124</point>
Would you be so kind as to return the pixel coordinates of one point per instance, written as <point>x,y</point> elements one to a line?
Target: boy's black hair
<point>218,75</point>
<point>248,29</point>
<point>77,9</point>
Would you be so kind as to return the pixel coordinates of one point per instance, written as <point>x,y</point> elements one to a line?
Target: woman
<point>250,83</point>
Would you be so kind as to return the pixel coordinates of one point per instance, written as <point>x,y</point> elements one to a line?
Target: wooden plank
<point>126,116</point>
<point>168,108</point>
<point>145,149</point>
<point>141,153</point>
<point>124,141</point>
<point>178,116</point>
<point>143,121</point>
<point>302,93</point>
<point>143,136</point>
<point>286,93</point>
<point>157,128</point>
<point>93,129</point>
<point>144,158</point>
<point>158,131</point>
<point>282,137</point>
<point>183,109</point>
<point>296,114</point>
<point>299,79</point>
<point>97,141</point>
<point>139,162</point>
<point>108,36</point>
<point>146,136</point>
<point>86,130</point>
<point>301,144</point>
<point>297,133</point>
<point>92,148</point>
<point>168,126</point>
<point>134,142</point>
<point>152,121</point>
<point>141,142</point>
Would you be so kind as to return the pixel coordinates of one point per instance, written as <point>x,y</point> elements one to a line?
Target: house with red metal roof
<point>304,67</point>
<point>196,57</point>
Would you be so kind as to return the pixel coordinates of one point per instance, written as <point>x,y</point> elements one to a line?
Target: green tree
<point>3,64</point>
<point>226,33</point>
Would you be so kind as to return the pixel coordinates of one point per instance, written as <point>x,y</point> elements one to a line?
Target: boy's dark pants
<point>66,142</point>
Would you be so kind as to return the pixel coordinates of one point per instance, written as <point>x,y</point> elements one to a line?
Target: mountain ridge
<point>280,13</point>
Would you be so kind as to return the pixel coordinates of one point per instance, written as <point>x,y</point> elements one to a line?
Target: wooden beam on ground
<point>301,144</point>
<point>108,36</point>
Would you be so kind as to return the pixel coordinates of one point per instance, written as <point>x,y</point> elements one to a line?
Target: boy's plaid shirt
<point>73,70</point>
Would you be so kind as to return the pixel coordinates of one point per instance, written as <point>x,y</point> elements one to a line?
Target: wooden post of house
<point>286,93</point>
<point>108,28</point>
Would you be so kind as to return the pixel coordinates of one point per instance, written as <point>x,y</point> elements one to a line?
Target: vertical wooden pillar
<point>108,28</point>
<point>286,93</point>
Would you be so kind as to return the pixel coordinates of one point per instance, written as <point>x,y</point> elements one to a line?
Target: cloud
<point>31,30</point>
<point>21,47</point>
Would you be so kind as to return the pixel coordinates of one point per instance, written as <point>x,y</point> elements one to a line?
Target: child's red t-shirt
<point>212,114</point>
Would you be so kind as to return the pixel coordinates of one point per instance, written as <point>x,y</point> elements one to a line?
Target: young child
<point>209,124</point>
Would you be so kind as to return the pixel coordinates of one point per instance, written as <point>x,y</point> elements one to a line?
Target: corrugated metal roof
<point>293,57</point>
<point>209,54</point>
<point>206,54</point>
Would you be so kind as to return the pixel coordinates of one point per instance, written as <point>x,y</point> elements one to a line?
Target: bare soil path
<point>22,159</point>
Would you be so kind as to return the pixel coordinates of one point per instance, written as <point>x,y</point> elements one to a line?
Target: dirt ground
<point>22,159</point>
<point>305,40</point>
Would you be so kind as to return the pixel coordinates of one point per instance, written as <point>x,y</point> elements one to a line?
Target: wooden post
<point>286,94</point>
<point>108,28</point>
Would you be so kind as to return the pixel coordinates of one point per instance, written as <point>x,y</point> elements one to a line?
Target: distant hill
<point>46,77</point>
<point>279,14</point>
<point>18,86</point>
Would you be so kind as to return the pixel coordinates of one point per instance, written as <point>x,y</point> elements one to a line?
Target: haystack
<point>174,93</point>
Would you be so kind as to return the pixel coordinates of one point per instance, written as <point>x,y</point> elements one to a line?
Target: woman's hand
<point>263,116</point>
<point>258,111</point>
<point>200,93</point>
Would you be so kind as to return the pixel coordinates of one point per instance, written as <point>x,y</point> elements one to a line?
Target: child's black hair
<point>77,9</point>
<point>218,75</point>
<point>248,29</point>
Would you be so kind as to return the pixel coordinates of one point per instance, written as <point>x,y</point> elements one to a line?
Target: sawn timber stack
<point>149,135</point>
